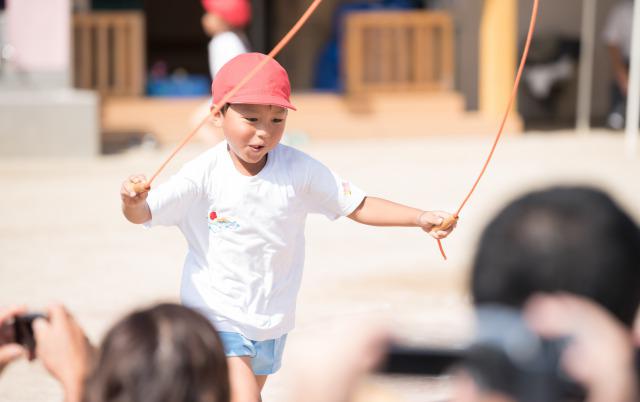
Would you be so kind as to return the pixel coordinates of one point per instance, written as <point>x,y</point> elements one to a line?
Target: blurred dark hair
<point>570,239</point>
<point>167,353</point>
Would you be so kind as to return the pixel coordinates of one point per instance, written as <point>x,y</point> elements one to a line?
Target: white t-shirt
<point>618,29</point>
<point>224,47</point>
<point>246,234</point>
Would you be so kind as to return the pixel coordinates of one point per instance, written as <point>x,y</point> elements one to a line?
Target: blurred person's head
<point>563,239</point>
<point>167,353</point>
<point>225,15</point>
<point>253,119</point>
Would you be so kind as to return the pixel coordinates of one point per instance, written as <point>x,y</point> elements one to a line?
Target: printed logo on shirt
<point>218,224</point>
<point>346,188</point>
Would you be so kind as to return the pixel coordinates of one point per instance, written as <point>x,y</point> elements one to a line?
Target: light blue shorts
<point>266,356</point>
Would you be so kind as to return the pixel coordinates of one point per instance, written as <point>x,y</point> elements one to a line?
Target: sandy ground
<point>62,238</point>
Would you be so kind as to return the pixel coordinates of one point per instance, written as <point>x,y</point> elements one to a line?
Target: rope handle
<point>140,188</point>
<point>446,223</point>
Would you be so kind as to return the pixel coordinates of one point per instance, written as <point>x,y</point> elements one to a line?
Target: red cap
<point>269,86</point>
<point>236,13</point>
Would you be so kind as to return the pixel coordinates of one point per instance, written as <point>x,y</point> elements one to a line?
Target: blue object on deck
<point>183,86</point>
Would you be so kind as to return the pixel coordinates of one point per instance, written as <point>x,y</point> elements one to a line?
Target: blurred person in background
<point>617,37</point>
<point>165,353</point>
<point>564,239</point>
<point>562,266</point>
<point>579,249</point>
<point>223,21</point>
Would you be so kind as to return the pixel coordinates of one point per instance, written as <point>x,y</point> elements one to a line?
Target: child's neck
<point>246,168</point>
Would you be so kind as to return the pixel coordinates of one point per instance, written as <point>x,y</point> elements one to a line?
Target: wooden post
<point>498,54</point>
<point>585,77</point>
<point>110,55</point>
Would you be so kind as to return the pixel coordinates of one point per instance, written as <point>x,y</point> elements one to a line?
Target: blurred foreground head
<point>167,353</point>
<point>563,239</point>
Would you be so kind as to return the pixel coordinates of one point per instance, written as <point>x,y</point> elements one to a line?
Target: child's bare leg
<point>244,384</point>
<point>261,379</point>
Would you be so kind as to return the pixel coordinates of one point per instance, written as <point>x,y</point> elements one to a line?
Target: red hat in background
<point>270,85</point>
<point>236,13</point>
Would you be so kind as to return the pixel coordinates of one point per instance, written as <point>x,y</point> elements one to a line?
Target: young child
<point>223,22</point>
<point>242,207</point>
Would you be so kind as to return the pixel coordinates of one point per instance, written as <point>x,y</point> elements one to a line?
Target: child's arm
<point>379,212</point>
<point>134,204</point>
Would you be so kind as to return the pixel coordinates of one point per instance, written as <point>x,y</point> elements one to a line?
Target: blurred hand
<point>63,348</point>
<point>430,222</point>
<point>129,196</point>
<point>600,354</point>
<point>466,389</point>
<point>9,351</point>
<point>330,368</point>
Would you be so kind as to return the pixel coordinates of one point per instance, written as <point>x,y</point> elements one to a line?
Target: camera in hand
<point>505,356</point>
<point>21,332</point>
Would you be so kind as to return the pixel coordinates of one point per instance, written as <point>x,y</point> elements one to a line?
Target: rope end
<point>444,255</point>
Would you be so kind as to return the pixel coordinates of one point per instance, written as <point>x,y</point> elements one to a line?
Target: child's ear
<point>216,118</point>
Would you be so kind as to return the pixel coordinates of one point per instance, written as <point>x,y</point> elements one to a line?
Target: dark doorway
<point>175,36</point>
<point>258,31</point>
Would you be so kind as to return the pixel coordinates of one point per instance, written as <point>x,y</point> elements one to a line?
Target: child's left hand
<point>430,221</point>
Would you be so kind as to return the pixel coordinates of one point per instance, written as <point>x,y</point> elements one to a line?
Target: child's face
<point>213,24</point>
<point>253,130</point>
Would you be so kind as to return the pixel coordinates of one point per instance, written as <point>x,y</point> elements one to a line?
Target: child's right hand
<point>134,190</point>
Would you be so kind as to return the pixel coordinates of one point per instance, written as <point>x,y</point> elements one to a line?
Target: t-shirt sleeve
<point>224,48</point>
<point>170,202</point>
<point>328,194</point>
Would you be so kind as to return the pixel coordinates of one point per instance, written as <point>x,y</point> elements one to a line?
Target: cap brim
<point>263,100</point>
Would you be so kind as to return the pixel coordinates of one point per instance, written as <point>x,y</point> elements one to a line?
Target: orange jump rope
<point>454,218</point>
<point>141,187</point>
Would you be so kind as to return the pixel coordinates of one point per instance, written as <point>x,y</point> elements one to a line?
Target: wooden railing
<point>109,52</point>
<point>398,51</point>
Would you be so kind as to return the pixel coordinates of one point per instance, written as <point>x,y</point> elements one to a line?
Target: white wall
<point>39,31</point>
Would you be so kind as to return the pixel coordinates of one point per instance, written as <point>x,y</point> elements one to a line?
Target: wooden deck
<point>318,116</point>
